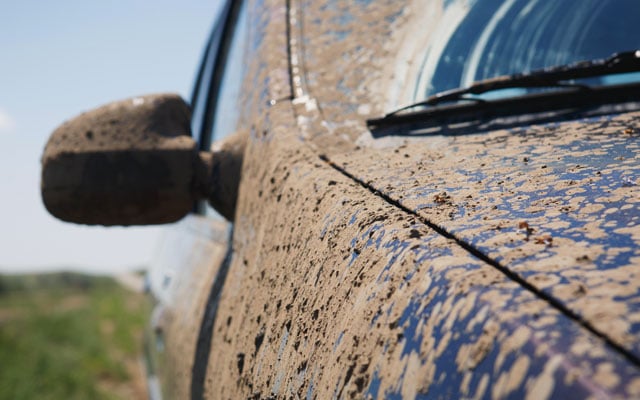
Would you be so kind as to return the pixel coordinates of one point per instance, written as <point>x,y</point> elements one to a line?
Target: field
<point>70,336</point>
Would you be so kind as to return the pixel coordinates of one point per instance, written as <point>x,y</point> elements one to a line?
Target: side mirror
<point>133,162</point>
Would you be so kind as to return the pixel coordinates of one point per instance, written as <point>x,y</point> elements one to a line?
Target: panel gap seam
<point>555,303</point>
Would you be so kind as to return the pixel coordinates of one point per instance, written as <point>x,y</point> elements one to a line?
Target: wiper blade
<point>542,107</point>
<point>557,76</point>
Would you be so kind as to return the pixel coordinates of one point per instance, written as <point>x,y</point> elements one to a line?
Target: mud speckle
<point>565,222</point>
<point>240,362</point>
<point>541,387</point>
<point>362,280</point>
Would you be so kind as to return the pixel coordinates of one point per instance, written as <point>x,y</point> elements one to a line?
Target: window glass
<point>199,96</point>
<point>227,107</point>
<point>205,79</point>
<point>216,115</point>
<point>480,39</point>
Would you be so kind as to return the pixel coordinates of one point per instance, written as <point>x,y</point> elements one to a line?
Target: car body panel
<point>350,295</point>
<point>191,262</point>
<point>557,205</point>
<point>350,278</point>
<point>336,291</point>
<point>186,264</point>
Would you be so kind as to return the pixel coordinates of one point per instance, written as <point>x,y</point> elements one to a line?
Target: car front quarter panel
<point>335,292</point>
<point>339,285</point>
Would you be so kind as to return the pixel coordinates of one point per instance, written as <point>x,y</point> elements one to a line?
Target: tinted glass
<point>216,113</point>
<point>480,39</point>
<point>204,81</point>
<point>227,107</point>
<point>200,91</point>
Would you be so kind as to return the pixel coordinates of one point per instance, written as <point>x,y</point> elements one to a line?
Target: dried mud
<point>340,288</point>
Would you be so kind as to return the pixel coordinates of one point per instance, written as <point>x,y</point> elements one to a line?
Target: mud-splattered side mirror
<point>132,162</point>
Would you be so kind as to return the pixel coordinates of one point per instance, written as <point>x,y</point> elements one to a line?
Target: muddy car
<point>384,199</point>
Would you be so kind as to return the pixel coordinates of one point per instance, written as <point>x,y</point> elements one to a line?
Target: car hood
<point>555,207</point>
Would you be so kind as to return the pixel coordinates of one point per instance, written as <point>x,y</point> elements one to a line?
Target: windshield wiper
<point>557,76</point>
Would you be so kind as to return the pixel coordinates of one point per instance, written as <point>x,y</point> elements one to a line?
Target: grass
<point>70,336</point>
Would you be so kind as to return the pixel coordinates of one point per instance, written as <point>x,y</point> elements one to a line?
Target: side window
<point>227,108</point>
<point>215,95</point>
<point>215,108</point>
<point>204,79</point>
<point>199,94</point>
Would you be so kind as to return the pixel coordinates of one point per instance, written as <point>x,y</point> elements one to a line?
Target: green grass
<point>70,336</point>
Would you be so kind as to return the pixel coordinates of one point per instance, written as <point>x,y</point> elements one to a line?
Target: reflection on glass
<point>483,39</point>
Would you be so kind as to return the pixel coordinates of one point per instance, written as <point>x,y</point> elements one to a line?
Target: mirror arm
<point>218,173</point>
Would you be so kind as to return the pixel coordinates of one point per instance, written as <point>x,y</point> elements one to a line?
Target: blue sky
<point>61,58</point>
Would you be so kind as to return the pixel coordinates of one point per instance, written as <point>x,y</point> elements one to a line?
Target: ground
<point>70,336</point>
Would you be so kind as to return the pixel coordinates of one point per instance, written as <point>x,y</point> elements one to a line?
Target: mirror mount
<point>222,172</point>
<point>133,162</point>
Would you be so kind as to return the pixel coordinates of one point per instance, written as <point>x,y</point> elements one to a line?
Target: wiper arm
<point>618,63</point>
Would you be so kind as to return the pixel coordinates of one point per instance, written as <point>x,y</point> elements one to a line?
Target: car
<point>405,199</point>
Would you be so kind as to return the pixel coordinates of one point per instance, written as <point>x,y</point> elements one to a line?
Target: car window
<point>203,83</point>
<point>489,38</point>
<point>226,107</point>
<point>215,81</point>
<point>215,109</point>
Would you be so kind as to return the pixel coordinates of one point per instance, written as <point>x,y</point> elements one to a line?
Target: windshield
<point>480,39</point>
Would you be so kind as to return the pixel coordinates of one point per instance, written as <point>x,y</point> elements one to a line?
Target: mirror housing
<point>131,162</point>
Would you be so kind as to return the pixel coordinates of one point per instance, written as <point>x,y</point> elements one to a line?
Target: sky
<point>59,59</point>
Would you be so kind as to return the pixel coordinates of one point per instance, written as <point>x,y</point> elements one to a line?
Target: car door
<point>189,263</point>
